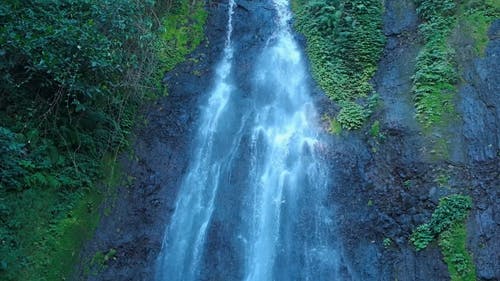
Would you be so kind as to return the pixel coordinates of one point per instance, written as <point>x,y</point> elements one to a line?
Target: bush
<point>352,115</point>
<point>11,163</point>
<point>344,44</point>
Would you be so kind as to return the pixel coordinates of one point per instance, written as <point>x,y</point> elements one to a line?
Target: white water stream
<point>286,232</point>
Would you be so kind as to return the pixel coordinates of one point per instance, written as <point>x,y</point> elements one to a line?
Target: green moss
<point>49,232</point>
<point>375,130</point>
<point>182,33</point>
<point>478,16</point>
<point>453,246</point>
<point>112,173</point>
<point>334,126</point>
<point>344,44</point>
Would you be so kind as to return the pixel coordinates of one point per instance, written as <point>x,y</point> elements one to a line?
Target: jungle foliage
<point>344,44</point>
<point>72,76</point>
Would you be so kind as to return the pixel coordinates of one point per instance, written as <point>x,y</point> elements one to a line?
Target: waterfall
<point>184,238</point>
<point>283,225</point>
<point>289,232</point>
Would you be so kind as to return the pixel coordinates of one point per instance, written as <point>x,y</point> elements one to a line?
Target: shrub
<point>352,115</point>
<point>11,164</point>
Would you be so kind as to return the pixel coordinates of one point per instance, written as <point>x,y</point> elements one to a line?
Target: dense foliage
<point>72,75</point>
<point>436,73</point>
<point>344,44</point>
<point>451,209</point>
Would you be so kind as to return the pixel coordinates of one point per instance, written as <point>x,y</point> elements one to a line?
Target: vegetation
<point>387,242</point>
<point>182,32</point>
<point>344,44</point>
<point>452,209</point>
<point>436,69</point>
<point>334,126</point>
<point>72,76</point>
<point>448,224</point>
<point>478,16</point>
<point>99,262</point>
<point>352,115</point>
<point>452,243</point>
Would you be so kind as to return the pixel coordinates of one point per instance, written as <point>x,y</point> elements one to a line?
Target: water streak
<point>184,239</point>
<point>290,231</point>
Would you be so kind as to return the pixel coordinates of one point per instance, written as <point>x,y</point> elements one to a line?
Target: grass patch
<point>448,225</point>
<point>181,33</point>
<point>478,16</point>
<point>453,246</point>
<point>344,44</point>
<point>436,70</point>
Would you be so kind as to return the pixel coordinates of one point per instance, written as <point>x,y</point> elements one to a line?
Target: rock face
<point>480,108</point>
<point>388,191</point>
<point>391,190</point>
<point>383,187</point>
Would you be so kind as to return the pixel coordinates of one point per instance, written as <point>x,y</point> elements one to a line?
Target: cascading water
<point>184,240</point>
<point>286,229</point>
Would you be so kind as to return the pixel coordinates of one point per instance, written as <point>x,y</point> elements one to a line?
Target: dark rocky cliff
<point>388,190</point>
<point>383,188</point>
